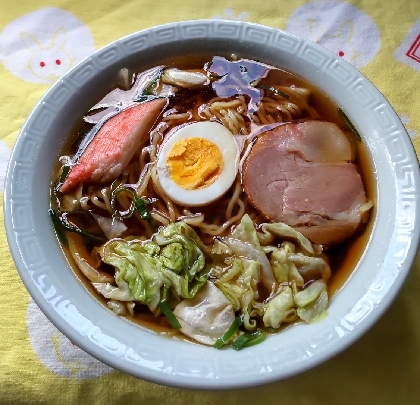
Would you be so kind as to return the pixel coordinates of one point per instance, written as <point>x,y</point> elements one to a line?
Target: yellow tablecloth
<point>40,39</point>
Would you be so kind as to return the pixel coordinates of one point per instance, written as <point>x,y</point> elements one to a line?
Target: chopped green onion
<point>149,88</point>
<point>167,311</point>
<point>257,337</point>
<point>145,95</point>
<point>240,342</point>
<point>352,128</point>
<point>153,83</point>
<point>247,340</point>
<point>125,214</point>
<point>61,224</point>
<point>140,206</point>
<point>273,90</point>
<point>57,226</point>
<point>236,324</point>
<point>64,173</point>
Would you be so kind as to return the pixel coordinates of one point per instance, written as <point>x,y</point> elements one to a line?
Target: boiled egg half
<point>198,163</point>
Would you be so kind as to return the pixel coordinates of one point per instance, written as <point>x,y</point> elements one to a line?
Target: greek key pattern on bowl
<point>84,72</point>
<point>258,35</point>
<point>285,42</point>
<point>194,31</point>
<point>134,43</point>
<point>313,56</point>
<point>342,72</point>
<point>362,92</point>
<point>223,30</point>
<point>109,55</point>
<point>61,94</point>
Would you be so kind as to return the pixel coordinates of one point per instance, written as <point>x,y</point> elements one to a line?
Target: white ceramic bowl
<point>61,296</point>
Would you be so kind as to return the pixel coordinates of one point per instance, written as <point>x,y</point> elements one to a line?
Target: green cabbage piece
<point>221,249</point>
<point>243,242</point>
<point>255,264</point>
<point>312,302</point>
<point>171,266</point>
<point>270,230</point>
<point>279,309</point>
<point>240,286</point>
<point>284,269</point>
<point>289,304</point>
<point>290,266</point>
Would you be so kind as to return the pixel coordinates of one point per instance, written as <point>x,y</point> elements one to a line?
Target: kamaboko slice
<point>114,145</point>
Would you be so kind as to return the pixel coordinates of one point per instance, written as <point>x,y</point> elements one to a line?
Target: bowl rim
<point>206,368</point>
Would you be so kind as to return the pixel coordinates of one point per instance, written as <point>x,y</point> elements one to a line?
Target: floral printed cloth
<point>40,40</point>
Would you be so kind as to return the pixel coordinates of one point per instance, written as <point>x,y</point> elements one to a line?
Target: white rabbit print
<point>47,62</point>
<point>229,14</point>
<point>339,27</point>
<point>41,46</point>
<point>58,353</point>
<point>340,42</point>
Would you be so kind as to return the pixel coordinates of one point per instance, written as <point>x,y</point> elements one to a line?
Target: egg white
<point>224,140</point>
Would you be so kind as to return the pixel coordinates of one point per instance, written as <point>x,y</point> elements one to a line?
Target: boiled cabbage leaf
<point>243,242</point>
<point>206,316</point>
<point>285,269</point>
<point>278,229</point>
<point>239,283</point>
<point>290,266</point>
<point>312,302</point>
<point>289,304</point>
<point>279,308</point>
<point>171,266</point>
<point>256,259</point>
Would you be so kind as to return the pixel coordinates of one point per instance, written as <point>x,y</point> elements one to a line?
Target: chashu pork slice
<point>302,174</point>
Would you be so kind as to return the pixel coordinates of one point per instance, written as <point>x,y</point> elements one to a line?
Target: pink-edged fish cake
<point>114,145</point>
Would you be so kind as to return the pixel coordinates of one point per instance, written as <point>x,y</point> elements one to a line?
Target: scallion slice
<point>240,342</point>
<point>273,90</point>
<point>236,324</point>
<point>257,337</point>
<point>122,214</point>
<point>145,95</point>
<point>167,311</point>
<point>138,204</point>
<point>58,226</point>
<point>62,224</point>
<point>352,128</point>
<point>247,340</point>
<point>65,171</point>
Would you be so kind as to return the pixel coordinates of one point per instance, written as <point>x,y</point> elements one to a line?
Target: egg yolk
<point>194,163</point>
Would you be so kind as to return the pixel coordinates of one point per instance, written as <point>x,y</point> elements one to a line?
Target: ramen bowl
<point>363,298</point>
